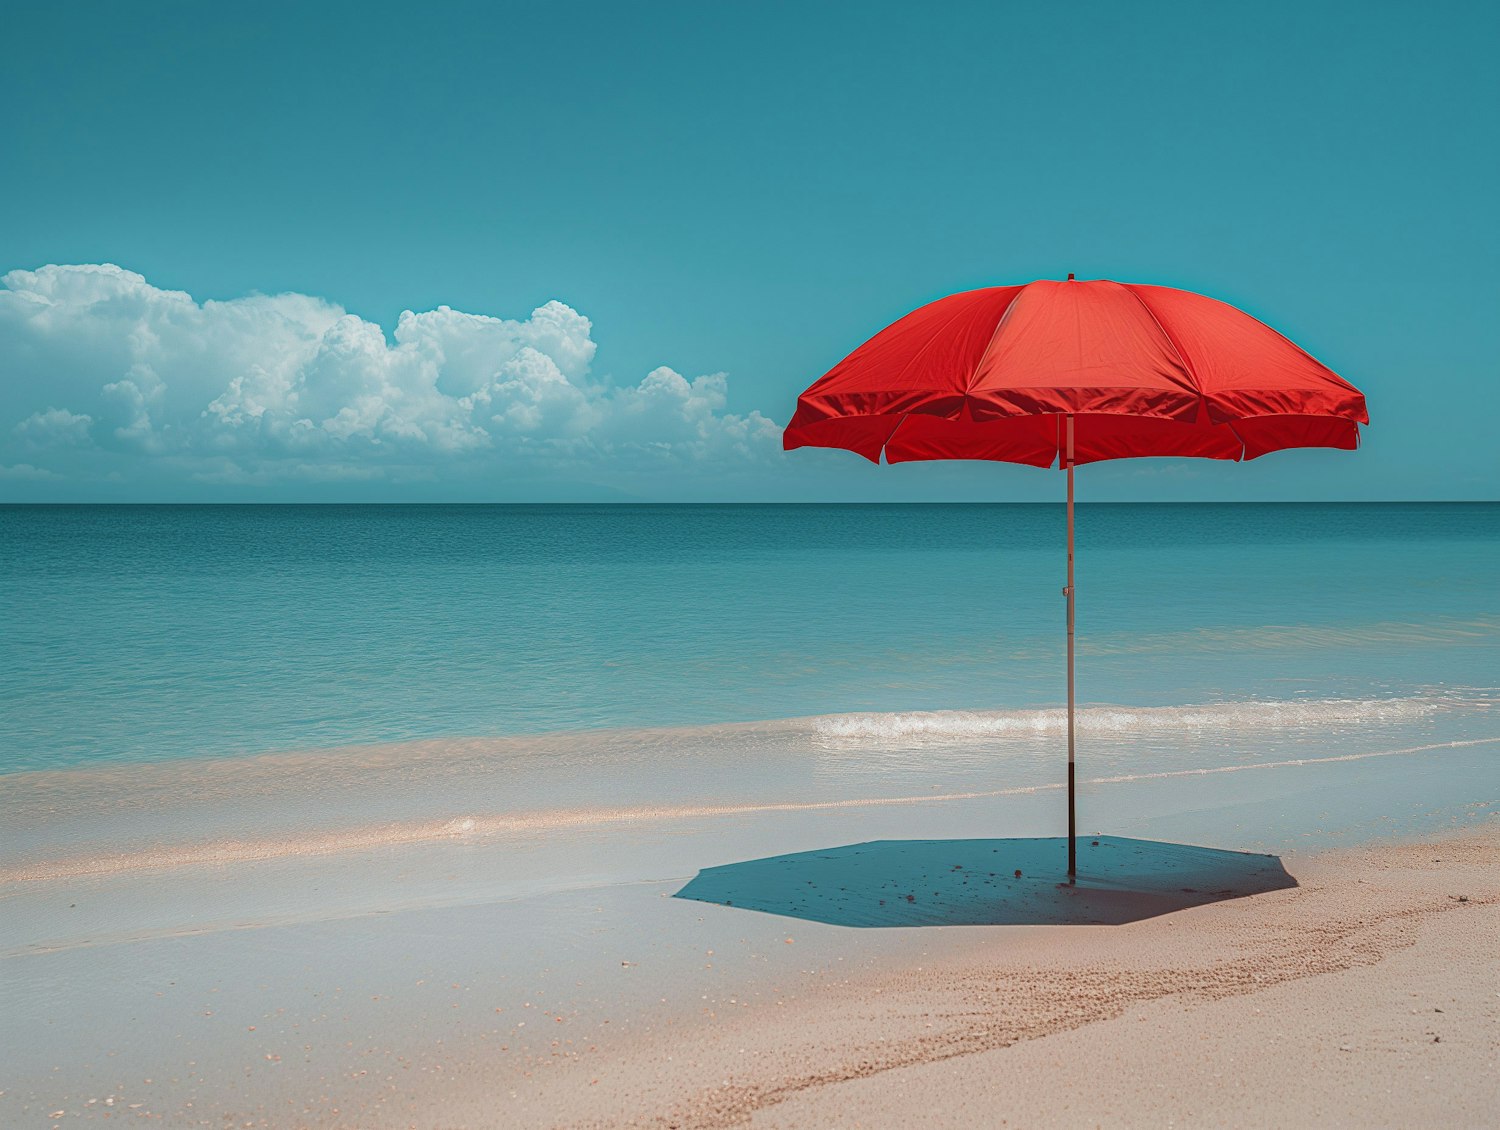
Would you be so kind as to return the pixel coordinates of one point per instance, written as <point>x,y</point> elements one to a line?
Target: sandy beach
<point>1366,995</point>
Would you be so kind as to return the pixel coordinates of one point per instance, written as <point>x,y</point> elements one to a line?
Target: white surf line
<point>395,835</point>
<point>1288,764</point>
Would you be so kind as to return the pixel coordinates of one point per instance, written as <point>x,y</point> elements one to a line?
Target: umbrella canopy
<point>1142,370</point>
<point>1074,372</point>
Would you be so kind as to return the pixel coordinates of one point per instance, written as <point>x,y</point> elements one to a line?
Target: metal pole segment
<point>1072,825</point>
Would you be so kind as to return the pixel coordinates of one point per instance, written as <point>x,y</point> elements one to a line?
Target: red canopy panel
<point>1096,438</point>
<point>1276,433</point>
<point>1244,367</point>
<point>1020,439</point>
<point>1080,347</point>
<point>921,363</point>
<point>863,435</point>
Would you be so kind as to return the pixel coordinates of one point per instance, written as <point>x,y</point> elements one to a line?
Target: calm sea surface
<point>148,633</point>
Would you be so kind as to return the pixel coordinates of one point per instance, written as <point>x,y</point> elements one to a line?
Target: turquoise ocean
<point>144,633</point>
<point>171,672</point>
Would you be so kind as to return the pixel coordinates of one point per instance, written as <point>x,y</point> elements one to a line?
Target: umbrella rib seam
<point>928,344</point>
<point>989,345</point>
<point>901,419</point>
<point>1234,431</point>
<point>1177,349</point>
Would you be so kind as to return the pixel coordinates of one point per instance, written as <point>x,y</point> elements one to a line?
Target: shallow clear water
<point>134,634</point>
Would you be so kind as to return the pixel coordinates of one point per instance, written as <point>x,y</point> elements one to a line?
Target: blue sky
<point>652,225</point>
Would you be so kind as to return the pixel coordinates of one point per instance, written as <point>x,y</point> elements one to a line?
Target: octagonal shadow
<point>988,882</point>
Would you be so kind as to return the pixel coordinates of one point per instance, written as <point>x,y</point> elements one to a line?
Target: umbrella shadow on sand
<point>988,882</point>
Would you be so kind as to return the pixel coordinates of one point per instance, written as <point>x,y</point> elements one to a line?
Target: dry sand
<point>1367,996</point>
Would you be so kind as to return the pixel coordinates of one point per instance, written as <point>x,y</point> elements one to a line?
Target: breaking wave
<point>958,725</point>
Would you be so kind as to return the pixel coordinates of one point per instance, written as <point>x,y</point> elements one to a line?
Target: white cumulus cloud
<point>102,373</point>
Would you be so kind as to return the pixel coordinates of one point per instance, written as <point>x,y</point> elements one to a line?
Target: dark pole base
<point>1072,831</point>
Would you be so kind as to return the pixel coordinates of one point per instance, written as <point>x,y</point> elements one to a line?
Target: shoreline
<point>359,839</point>
<point>74,822</point>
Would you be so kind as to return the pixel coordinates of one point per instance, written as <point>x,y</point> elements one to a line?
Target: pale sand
<point>176,998</point>
<point>1368,996</point>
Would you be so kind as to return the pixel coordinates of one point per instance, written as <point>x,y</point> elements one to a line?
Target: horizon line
<point>800,502</point>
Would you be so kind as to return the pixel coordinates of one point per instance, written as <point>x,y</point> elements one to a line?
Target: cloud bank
<point>106,378</point>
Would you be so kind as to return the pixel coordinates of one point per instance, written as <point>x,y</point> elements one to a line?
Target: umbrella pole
<point>1072,826</point>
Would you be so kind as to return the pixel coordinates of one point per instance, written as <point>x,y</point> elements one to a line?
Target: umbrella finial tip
<point>1070,276</point>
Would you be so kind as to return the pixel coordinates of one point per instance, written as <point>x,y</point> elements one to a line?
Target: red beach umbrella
<point>1063,373</point>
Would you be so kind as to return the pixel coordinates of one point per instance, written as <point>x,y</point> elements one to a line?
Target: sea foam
<point>960,725</point>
